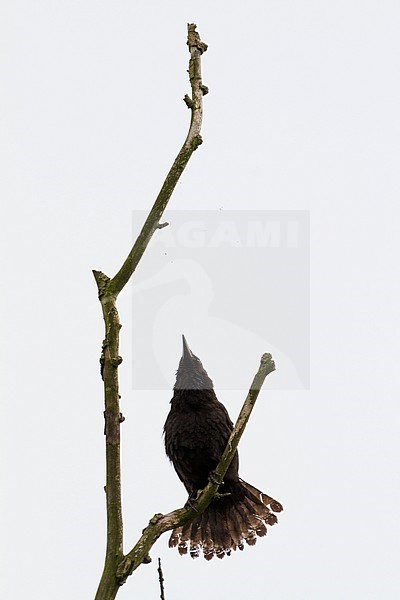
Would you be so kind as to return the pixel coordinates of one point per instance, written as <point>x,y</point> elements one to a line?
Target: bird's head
<point>191,374</point>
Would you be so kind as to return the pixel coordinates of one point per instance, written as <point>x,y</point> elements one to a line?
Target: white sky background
<point>303,113</point>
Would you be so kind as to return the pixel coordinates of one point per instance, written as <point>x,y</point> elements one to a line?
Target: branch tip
<point>102,281</point>
<point>267,363</point>
<point>194,40</point>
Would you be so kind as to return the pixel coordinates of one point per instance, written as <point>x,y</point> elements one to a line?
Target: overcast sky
<point>302,118</point>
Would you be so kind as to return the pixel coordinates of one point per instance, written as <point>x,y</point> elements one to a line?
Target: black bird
<point>196,432</point>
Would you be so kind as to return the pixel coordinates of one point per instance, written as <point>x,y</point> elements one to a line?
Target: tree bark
<point>117,567</point>
<point>108,290</point>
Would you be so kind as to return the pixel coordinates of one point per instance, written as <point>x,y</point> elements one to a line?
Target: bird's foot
<point>219,496</point>
<point>191,502</point>
<point>215,478</point>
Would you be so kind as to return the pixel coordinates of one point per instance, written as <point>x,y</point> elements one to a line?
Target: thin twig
<point>159,524</point>
<point>161,580</point>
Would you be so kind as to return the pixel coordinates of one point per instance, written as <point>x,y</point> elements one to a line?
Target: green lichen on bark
<point>108,290</point>
<point>118,567</point>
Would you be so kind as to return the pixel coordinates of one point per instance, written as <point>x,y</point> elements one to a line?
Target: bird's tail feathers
<point>228,523</point>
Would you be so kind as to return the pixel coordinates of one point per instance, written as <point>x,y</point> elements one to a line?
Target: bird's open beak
<point>187,353</point>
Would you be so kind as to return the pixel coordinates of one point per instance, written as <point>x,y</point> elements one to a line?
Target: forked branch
<point>118,567</point>
<point>108,290</point>
<point>159,524</point>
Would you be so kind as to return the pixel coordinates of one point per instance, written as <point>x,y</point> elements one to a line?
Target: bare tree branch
<point>110,359</point>
<point>192,142</point>
<point>159,524</point>
<point>118,567</point>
